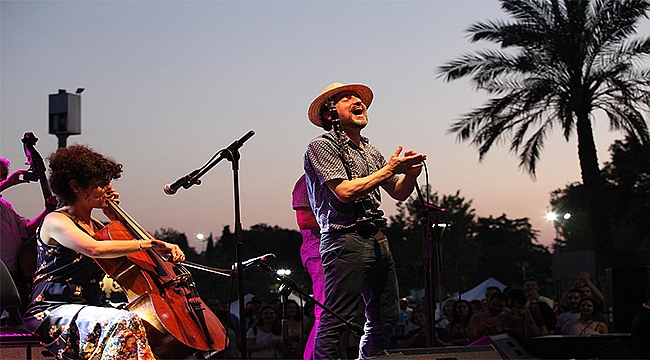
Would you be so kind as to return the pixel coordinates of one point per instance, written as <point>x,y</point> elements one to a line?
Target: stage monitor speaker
<point>443,353</point>
<point>625,295</point>
<point>511,345</point>
<point>600,346</point>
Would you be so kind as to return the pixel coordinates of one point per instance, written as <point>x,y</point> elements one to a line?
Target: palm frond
<point>560,60</point>
<point>532,150</point>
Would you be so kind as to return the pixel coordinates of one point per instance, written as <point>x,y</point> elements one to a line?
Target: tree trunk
<point>594,183</point>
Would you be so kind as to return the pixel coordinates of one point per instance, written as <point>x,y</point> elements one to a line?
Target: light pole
<point>523,265</point>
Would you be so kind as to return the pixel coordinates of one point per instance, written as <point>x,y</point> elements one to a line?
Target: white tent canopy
<point>234,306</point>
<point>476,293</point>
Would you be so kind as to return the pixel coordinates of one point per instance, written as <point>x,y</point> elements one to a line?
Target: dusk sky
<point>169,84</point>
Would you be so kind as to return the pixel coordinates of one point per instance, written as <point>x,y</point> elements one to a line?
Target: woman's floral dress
<point>69,314</point>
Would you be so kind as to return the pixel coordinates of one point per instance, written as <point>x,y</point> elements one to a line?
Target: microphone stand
<point>231,153</point>
<point>233,156</point>
<point>286,286</point>
<point>431,256</point>
<point>285,291</point>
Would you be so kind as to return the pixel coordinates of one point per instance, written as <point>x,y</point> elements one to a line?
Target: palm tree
<point>559,62</point>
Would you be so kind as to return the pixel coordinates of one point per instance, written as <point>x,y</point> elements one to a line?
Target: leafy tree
<point>560,61</point>
<point>628,176</point>
<point>628,199</point>
<point>460,261</point>
<point>261,239</point>
<point>507,244</point>
<point>209,245</point>
<point>471,248</point>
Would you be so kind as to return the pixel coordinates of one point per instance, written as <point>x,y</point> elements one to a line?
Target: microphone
<point>171,189</point>
<point>427,206</point>
<point>255,261</point>
<point>239,143</point>
<point>331,107</point>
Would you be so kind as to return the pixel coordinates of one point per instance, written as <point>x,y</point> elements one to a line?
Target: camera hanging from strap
<point>367,217</point>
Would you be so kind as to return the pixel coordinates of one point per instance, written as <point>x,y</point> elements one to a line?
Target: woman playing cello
<point>67,310</point>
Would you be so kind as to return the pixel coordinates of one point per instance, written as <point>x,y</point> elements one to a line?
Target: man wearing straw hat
<point>343,174</point>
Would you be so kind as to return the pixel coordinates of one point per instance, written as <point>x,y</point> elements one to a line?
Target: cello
<point>177,321</point>
<point>27,255</point>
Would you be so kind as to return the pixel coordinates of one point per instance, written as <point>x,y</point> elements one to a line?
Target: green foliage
<point>471,248</point>
<point>559,61</point>
<point>507,245</point>
<point>628,199</point>
<point>629,177</point>
<point>261,239</point>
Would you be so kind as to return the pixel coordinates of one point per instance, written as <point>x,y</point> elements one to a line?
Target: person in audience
<point>298,329</point>
<point>574,296</point>
<point>477,306</point>
<point>446,313</point>
<point>458,328</point>
<point>485,304</point>
<point>489,322</point>
<point>253,308</point>
<point>417,338</point>
<point>531,287</point>
<point>588,322</point>
<point>278,306</point>
<point>232,350</point>
<point>264,338</point>
<point>404,318</point>
<point>520,320</point>
<point>518,297</point>
<point>583,283</point>
<point>546,314</point>
<point>491,290</point>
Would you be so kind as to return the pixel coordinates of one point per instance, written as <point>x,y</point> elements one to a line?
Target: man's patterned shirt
<point>323,162</point>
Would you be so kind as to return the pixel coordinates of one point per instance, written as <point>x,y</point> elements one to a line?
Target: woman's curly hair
<point>80,163</point>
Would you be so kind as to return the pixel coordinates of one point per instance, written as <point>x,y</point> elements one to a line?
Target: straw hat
<point>363,91</point>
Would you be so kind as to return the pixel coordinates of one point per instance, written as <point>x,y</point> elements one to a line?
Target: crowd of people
<point>271,327</point>
<point>524,311</point>
<point>508,310</point>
